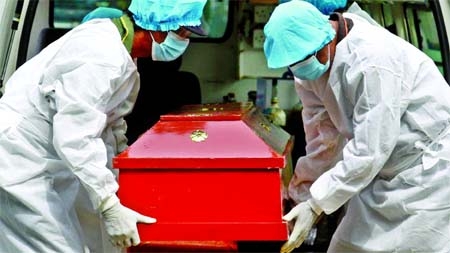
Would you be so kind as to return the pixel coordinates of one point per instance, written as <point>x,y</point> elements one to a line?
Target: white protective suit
<point>61,123</point>
<point>378,139</point>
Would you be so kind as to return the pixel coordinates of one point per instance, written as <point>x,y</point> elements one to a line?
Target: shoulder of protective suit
<point>97,40</point>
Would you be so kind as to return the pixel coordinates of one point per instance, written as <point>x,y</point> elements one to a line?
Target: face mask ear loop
<point>329,51</point>
<point>345,26</point>
<point>153,45</point>
<point>151,35</point>
<point>124,27</point>
<point>329,57</point>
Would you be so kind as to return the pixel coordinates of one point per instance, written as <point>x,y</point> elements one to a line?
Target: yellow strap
<point>125,27</point>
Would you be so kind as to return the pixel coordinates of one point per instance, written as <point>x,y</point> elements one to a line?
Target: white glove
<point>120,222</point>
<point>306,214</point>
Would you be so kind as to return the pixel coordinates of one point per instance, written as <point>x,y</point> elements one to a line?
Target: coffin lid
<point>233,135</point>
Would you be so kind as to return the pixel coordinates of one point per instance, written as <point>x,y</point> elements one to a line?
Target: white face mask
<point>311,68</point>
<point>170,49</point>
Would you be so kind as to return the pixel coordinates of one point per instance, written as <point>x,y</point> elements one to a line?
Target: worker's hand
<point>305,217</point>
<point>120,223</point>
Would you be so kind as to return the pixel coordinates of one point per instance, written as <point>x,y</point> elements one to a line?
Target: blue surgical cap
<point>325,6</point>
<point>167,15</point>
<point>103,12</point>
<point>295,30</point>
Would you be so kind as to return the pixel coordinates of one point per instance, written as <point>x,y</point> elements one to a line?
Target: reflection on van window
<point>424,34</point>
<point>215,18</point>
<point>413,22</point>
<point>69,13</point>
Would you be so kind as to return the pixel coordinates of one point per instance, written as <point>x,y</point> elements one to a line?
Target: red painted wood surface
<point>223,185</point>
<point>185,246</point>
<point>206,205</point>
<point>236,137</point>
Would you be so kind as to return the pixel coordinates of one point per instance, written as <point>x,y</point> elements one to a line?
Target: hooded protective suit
<point>61,122</point>
<point>378,138</point>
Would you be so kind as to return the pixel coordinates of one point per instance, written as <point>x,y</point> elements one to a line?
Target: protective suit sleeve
<point>82,91</point>
<point>119,129</point>
<point>115,141</point>
<point>323,145</point>
<point>375,94</point>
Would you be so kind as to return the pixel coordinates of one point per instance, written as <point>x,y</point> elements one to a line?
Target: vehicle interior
<point>226,65</point>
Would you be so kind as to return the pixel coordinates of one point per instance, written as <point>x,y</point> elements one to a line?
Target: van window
<point>415,23</point>
<point>423,33</point>
<point>69,13</point>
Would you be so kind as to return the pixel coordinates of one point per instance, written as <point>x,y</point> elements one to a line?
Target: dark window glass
<point>69,13</point>
<point>418,27</point>
<point>424,34</point>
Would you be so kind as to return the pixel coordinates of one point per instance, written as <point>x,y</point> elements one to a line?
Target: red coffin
<point>208,172</point>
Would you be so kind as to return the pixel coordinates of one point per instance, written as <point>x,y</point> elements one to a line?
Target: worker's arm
<point>375,94</point>
<point>323,144</point>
